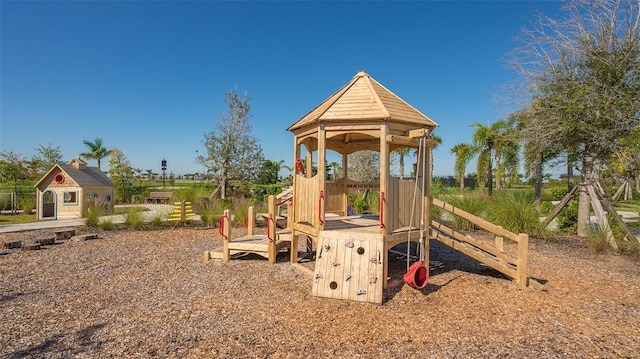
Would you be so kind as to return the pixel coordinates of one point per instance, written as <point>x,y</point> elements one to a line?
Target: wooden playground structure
<point>352,251</point>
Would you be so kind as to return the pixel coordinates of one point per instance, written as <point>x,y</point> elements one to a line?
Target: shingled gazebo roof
<point>363,99</point>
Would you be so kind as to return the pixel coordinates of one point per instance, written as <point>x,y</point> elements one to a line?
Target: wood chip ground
<point>148,294</point>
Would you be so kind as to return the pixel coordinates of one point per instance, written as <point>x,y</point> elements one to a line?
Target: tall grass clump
<point>28,204</point>
<point>473,203</point>
<point>92,216</point>
<point>597,241</point>
<point>133,219</point>
<point>106,224</point>
<point>515,211</point>
<point>158,220</point>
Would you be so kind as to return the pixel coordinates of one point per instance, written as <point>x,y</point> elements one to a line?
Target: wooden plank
<point>612,211</point>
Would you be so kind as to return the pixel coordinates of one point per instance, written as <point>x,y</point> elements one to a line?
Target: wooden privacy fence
<point>491,255</point>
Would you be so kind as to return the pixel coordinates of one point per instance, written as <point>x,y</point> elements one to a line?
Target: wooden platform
<point>257,244</point>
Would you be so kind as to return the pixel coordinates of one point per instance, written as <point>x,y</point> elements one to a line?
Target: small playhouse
<point>351,252</point>
<point>67,190</point>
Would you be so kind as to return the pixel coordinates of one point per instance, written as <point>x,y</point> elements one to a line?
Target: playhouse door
<point>48,205</point>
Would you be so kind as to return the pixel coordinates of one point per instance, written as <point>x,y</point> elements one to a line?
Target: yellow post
<point>225,222</point>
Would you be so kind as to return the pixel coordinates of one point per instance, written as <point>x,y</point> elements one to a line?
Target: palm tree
<point>401,152</point>
<point>97,151</point>
<point>484,143</point>
<point>464,153</point>
<point>335,167</point>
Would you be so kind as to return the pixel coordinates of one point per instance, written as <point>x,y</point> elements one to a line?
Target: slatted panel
<point>307,196</point>
<point>342,273</point>
<point>334,198</point>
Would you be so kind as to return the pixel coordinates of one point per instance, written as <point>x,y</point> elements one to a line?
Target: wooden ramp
<point>493,255</point>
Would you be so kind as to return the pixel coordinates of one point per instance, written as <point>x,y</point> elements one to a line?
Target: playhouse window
<point>107,197</point>
<point>70,197</point>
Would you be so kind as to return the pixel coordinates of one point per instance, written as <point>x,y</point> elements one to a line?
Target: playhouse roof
<point>82,174</point>
<point>363,99</point>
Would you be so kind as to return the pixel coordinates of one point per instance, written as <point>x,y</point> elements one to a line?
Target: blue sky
<point>149,77</point>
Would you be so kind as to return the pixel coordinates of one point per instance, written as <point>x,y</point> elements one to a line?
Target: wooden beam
<point>567,197</point>
<point>602,218</point>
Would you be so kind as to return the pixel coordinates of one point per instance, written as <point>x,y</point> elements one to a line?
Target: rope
<point>421,159</point>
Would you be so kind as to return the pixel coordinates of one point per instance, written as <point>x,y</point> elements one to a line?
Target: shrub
<point>555,193</point>
<point>568,217</point>
<point>597,241</point>
<point>515,211</point>
<point>106,224</point>
<point>133,219</point>
<point>92,216</point>
<point>472,203</point>
<point>27,204</point>
<point>157,221</point>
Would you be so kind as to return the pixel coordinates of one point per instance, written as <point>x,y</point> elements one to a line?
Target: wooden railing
<point>491,255</point>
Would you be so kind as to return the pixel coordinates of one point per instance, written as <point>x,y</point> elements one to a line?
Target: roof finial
<point>362,73</point>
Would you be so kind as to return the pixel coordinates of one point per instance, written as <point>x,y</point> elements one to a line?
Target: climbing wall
<point>349,266</point>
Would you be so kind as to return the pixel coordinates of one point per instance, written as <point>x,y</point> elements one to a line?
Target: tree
<point>401,152</point>
<point>364,166</point>
<point>121,173</point>
<point>46,158</point>
<point>97,151</point>
<point>583,71</point>
<point>485,139</point>
<point>14,168</point>
<point>268,172</point>
<point>335,167</point>
<point>463,153</point>
<point>233,153</point>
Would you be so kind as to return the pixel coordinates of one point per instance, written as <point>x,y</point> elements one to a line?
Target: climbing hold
<point>375,260</point>
<point>326,247</point>
<point>335,264</point>
<point>361,292</point>
<point>360,250</point>
<point>333,285</point>
<point>349,244</point>
<point>373,280</point>
<point>347,277</point>
<point>318,276</point>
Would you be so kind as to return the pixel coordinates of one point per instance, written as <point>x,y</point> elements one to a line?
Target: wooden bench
<point>159,197</point>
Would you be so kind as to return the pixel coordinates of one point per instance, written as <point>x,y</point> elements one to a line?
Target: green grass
<point>17,218</point>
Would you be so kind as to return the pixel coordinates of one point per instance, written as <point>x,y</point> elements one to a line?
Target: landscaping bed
<point>149,294</point>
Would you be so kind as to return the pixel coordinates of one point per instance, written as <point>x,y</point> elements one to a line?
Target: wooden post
<point>226,233</point>
<point>384,188</point>
<point>183,217</point>
<point>523,253</point>
<point>272,229</point>
<point>250,215</point>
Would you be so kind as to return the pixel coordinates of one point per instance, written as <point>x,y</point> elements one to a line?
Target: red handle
<point>270,220</point>
<point>381,209</point>
<point>300,165</point>
<point>221,227</point>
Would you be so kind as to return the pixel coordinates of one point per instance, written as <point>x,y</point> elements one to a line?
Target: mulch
<point>148,294</point>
